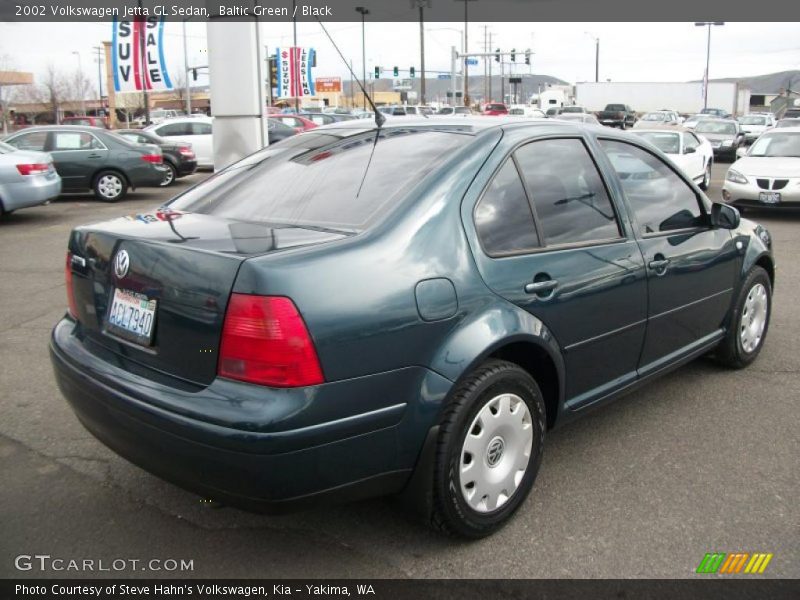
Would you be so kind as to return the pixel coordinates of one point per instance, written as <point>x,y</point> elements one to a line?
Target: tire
<point>704,185</point>
<point>623,126</point>
<point>110,186</point>
<point>749,321</point>
<point>500,408</point>
<point>171,174</point>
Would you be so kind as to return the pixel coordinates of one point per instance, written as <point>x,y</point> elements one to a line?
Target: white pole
<point>186,73</point>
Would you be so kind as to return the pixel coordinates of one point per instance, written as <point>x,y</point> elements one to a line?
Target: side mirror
<point>689,150</point>
<point>741,152</point>
<point>724,216</point>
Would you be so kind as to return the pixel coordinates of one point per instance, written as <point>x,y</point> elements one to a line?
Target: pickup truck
<point>617,115</point>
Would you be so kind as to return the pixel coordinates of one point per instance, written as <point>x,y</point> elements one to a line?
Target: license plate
<point>132,316</point>
<point>769,197</point>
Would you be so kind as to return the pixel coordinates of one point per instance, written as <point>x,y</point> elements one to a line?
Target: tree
<point>129,103</point>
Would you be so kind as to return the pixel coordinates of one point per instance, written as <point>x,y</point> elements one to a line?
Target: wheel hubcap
<point>109,186</point>
<point>754,318</point>
<point>496,452</point>
<point>168,177</point>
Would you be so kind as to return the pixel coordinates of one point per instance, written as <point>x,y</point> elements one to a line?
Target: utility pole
<point>296,64</point>
<point>188,90</point>
<point>489,60</point>
<point>364,12</point>
<point>143,55</point>
<point>99,54</point>
<point>422,51</point>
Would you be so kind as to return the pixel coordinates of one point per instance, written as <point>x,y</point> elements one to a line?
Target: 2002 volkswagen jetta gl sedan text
<point>360,311</point>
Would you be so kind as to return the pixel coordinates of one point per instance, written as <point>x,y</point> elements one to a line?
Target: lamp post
<point>80,82</point>
<point>364,12</point>
<point>421,4</point>
<point>466,50</point>
<point>708,24</point>
<point>596,55</point>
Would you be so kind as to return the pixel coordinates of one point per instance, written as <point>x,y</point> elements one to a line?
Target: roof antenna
<point>379,118</point>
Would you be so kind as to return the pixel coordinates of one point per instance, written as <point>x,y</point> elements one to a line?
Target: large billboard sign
<point>137,55</point>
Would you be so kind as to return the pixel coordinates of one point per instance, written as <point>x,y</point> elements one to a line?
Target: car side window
<point>35,141</point>
<point>200,129</point>
<point>569,198</point>
<point>174,129</point>
<point>659,198</point>
<point>503,215</point>
<point>689,141</point>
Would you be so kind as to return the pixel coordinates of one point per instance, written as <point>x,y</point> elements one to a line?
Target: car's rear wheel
<point>489,450</point>
<point>704,185</point>
<point>170,176</point>
<point>749,321</point>
<point>110,186</point>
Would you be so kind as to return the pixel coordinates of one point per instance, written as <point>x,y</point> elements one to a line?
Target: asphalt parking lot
<point>703,460</point>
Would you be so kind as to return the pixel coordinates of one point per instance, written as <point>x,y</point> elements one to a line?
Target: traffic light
<point>377,72</point>
<point>528,56</point>
<point>513,55</point>
<point>396,71</point>
<point>273,72</point>
<point>194,74</point>
<point>412,72</point>
<point>497,55</point>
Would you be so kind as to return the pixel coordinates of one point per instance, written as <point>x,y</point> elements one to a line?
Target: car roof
<point>662,129</point>
<point>88,128</point>
<point>471,125</point>
<point>795,129</point>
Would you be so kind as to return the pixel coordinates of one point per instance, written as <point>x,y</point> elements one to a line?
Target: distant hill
<point>439,87</point>
<point>771,83</point>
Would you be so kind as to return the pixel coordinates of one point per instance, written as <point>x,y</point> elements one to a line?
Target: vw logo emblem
<point>495,451</point>
<point>121,264</point>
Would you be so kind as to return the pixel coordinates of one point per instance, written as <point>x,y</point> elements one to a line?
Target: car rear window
<point>324,180</point>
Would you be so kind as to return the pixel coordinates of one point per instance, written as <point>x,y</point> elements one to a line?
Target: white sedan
<point>191,130</point>
<point>768,174</point>
<point>691,152</point>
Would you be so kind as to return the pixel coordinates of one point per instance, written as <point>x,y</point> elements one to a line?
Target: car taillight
<point>33,169</point>
<point>186,151</point>
<point>266,341</point>
<point>156,159</point>
<point>72,307</point>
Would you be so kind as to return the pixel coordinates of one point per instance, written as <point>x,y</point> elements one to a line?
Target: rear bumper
<point>186,167</point>
<point>267,463</point>
<point>38,190</point>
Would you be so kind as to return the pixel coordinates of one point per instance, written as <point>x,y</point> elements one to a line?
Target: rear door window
<point>503,217</point>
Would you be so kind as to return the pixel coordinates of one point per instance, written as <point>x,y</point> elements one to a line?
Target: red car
<point>299,124</point>
<point>495,108</point>
<point>86,121</point>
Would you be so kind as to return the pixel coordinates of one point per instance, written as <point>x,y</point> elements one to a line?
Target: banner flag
<point>295,78</point>
<point>134,69</point>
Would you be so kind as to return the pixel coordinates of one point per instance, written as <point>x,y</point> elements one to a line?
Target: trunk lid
<point>187,264</point>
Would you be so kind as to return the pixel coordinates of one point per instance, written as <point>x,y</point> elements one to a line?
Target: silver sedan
<point>26,179</point>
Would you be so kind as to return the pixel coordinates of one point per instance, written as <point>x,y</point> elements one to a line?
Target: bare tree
<point>77,87</point>
<point>54,89</point>
<point>129,103</point>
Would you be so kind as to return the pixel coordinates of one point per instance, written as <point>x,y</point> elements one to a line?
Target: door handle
<point>659,264</point>
<point>539,287</point>
<point>94,156</point>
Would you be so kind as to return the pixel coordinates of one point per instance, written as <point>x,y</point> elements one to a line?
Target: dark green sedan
<point>90,158</point>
